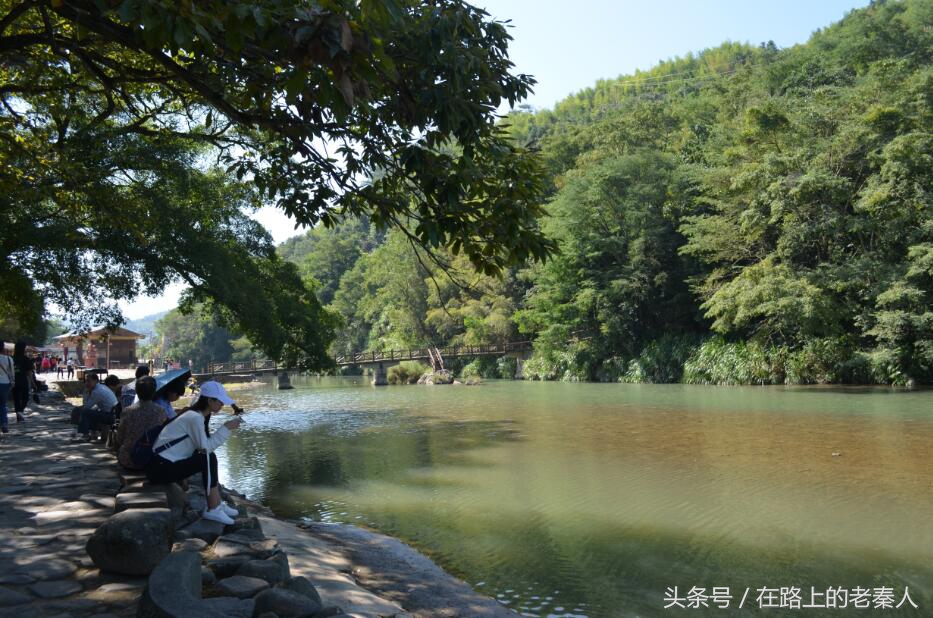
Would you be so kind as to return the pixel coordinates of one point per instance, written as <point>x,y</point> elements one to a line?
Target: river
<point>564,499</point>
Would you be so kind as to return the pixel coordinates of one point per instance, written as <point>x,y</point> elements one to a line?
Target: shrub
<point>456,364</point>
<point>820,361</point>
<point>507,366</point>
<point>721,362</point>
<point>857,370</point>
<point>661,361</point>
<point>406,372</point>
<point>576,362</point>
<point>611,370</point>
<point>885,367</point>
<point>481,367</point>
<point>540,367</point>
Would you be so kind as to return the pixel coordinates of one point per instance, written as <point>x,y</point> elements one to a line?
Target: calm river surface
<point>593,499</point>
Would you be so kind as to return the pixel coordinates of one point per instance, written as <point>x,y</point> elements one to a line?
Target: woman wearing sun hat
<point>185,448</point>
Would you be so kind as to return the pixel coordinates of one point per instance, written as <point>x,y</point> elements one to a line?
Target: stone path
<point>53,495</point>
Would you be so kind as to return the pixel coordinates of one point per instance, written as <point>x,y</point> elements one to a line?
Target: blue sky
<point>568,46</point>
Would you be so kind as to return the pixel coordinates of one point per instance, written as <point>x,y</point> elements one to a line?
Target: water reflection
<point>595,498</point>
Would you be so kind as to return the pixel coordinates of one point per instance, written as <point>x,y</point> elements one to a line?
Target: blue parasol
<point>164,379</point>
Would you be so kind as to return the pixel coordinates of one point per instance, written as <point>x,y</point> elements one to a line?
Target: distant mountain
<point>145,325</point>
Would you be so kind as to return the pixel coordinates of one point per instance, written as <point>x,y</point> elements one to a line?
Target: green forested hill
<point>742,215</point>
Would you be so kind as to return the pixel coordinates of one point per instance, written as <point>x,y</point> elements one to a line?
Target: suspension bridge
<point>377,360</point>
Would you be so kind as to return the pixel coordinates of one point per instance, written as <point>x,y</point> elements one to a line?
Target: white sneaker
<point>229,510</point>
<point>217,514</point>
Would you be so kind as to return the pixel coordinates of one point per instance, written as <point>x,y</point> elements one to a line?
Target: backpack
<point>143,452</point>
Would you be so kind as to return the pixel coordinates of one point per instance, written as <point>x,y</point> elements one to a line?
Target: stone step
<point>140,500</point>
<point>171,493</point>
<point>128,477</point>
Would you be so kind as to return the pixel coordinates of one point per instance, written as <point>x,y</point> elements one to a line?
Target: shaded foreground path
<point>53,495</point>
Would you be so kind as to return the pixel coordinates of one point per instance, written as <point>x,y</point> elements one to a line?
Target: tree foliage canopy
<point>742,215</point>
<point>797,196</point>
<point>134,133</point>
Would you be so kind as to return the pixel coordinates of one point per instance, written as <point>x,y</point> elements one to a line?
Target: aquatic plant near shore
<point>406,372</point>
<point>718,361</point>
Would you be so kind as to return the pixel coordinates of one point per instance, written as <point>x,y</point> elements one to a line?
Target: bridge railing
<point>423,353</point>
<point>362,358</point>
<point>249,366</point>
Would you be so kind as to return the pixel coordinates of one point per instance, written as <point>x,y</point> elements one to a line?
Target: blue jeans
<point>4,393</point>
<point>92,418</point>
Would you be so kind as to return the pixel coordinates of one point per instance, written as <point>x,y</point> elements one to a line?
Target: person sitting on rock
<point>113,383</point>
<point>169,394</point>
<point>128,394</point>
<point>190,449</point>
<point>137,419</point>
<point>98,406</point>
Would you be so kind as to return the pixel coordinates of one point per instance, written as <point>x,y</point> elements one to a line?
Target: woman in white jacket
<point>185,448</point>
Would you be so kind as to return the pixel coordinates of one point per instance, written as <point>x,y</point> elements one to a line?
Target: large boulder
<point>225,567</point>
<point>189,545</point>
<point>174,587</point>
<point>301,585</point>
<point>285,604</point>
<point>132,542</point>
<point>273,570</point>
<point>247,526</point>
<point>174,590</point>
<point>436,377</point>
<point>241,587</point>
<point>239,544</point>
<point>10,597</point>
<point>203,529</point>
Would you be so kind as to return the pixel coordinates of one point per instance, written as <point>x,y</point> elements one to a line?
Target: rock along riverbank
<point>56,493</point>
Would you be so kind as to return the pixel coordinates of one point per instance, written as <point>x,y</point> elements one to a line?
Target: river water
<point>596,499</point>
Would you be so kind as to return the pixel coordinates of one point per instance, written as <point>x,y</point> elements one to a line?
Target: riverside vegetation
<point>745,215</point>
<point>140,134</point>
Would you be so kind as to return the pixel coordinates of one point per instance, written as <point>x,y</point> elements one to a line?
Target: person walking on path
<point>71,368</point>
<point>23,376</point>
<point>6,383</point>
<point>177,453</point>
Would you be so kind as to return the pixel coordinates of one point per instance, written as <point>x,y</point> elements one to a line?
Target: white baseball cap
<point>217,391</point>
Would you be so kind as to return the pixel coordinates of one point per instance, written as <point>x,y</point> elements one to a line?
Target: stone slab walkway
<point>53,495</point>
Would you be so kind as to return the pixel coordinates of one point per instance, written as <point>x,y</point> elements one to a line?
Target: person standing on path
<point>6,383</point>
<point>22,377</point>
<point>71,368</point>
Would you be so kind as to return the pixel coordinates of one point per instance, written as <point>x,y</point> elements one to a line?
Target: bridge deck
<point>425,354</point>
<point>374,357</point>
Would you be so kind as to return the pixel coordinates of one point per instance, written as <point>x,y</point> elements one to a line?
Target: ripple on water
<point>578,499</point>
